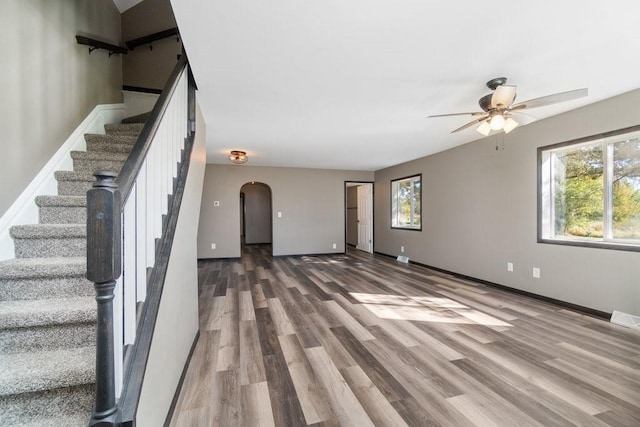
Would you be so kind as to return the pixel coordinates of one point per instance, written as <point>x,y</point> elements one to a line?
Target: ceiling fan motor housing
<point>485,101</point>
<point>494,83</point>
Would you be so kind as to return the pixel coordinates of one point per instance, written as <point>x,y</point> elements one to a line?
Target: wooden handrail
<point>132,44</point>
<point>105,212</point>
<point>97,44</point>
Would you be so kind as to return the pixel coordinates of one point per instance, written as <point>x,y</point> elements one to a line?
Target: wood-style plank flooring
<point>362,340</point>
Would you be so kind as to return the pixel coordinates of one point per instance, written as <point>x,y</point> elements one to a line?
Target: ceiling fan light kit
<point>498,106</point>
<point>497,122</point>
<point>484,128</point>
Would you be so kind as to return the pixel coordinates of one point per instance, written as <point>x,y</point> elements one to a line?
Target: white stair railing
<point>126,214</point>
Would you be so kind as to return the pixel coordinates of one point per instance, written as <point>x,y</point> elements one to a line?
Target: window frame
<point>545,232</point>
<point>393,199</point>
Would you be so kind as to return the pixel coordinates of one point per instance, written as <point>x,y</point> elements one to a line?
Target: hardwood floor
<point>362,340</point>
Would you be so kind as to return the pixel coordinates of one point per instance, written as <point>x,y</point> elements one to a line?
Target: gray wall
<point>352,215</point>
<point>177,322</point>
<point>480,209</point>
<point>311,202</point>
<point>143,67</point>
<point>257,213</point>
<point>50,83</point>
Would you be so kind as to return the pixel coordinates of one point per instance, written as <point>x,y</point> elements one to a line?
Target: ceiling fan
<point>498,107</point>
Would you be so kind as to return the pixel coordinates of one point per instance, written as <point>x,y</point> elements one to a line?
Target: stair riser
<point>51,337</point>
<point>106,147</point>
<point>126,128</point>
<point>85,165</point>
<point>63,215</point>
<point>122,133</point>
<point>45,288</point>
<point>35,408</point>
<point>74,188</point>
<point>46,248</point>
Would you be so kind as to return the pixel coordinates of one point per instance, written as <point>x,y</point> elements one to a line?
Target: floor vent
<point>625,319</point>
<point>403,258</point>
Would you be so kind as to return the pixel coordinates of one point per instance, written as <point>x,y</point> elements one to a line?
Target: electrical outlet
<point>279,214</point>
<point>335,246</point>
<point>213,246</point>
<point>536,272</point>
<point>401,248</point>
<point>509,266</point>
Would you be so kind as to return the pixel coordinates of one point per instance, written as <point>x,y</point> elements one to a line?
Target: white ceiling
<point>349,84</point>
<point>124,5</point>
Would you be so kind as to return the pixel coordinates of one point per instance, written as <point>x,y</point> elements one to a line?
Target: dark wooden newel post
<point>103,269</point>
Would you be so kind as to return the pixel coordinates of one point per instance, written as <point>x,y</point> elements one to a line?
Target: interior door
<point>365,218</point>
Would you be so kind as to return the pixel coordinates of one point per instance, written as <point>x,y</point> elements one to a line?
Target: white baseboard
<point>138,102</point>
<point>24,210</point>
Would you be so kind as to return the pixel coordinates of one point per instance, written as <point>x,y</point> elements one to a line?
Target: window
<point>406,195</point>
<point>589,191</point>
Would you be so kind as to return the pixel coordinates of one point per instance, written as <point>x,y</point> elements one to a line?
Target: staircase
<point>47,306</point>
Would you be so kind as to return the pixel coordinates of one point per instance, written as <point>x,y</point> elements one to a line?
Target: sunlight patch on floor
<point>424,309</point>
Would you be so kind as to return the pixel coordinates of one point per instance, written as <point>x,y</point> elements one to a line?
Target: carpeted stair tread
<point>48,231</point>
<point>61,201</point>
<point>98,155</point>
<point>36,268</point>
<point>62,209</point>
<point>45,370</point>
<point>66,406</point>
<point>110,143</point>
<point>61,311</point>
<point>79,420</point>
<point>109,147</point>
<point>123,128</point>
<point>140,118</point>
<point>44,278</point>
<point>74,176</point>
<point>112,139</point>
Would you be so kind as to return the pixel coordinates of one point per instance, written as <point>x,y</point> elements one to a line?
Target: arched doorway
<point>255,214</point>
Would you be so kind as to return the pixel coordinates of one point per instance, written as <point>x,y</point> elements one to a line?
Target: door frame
<point>348,184</point>
<point>244,215</point>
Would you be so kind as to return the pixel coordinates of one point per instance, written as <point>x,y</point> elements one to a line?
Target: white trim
<point>24,210</point>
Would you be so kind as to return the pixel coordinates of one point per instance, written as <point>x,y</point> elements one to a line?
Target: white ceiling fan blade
<point>523,118</point>
<point>468,125</point>
<point>551,99</point>
<point>475,113</point>
<point>503,96</point>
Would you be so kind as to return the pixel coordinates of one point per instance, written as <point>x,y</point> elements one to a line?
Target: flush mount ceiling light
<point>497,107</point>
<point>238,157</point>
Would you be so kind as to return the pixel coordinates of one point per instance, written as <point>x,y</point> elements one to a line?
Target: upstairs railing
<point>130,224</point>
<point>99,44</point>
<point>132,44</point>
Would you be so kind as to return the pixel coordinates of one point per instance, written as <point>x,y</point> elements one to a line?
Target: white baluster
<point>118,353</point>
<point>141,234</point>
<point>129,262</point>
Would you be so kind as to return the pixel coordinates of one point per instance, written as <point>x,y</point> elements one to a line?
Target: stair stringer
<point>23,211</point>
